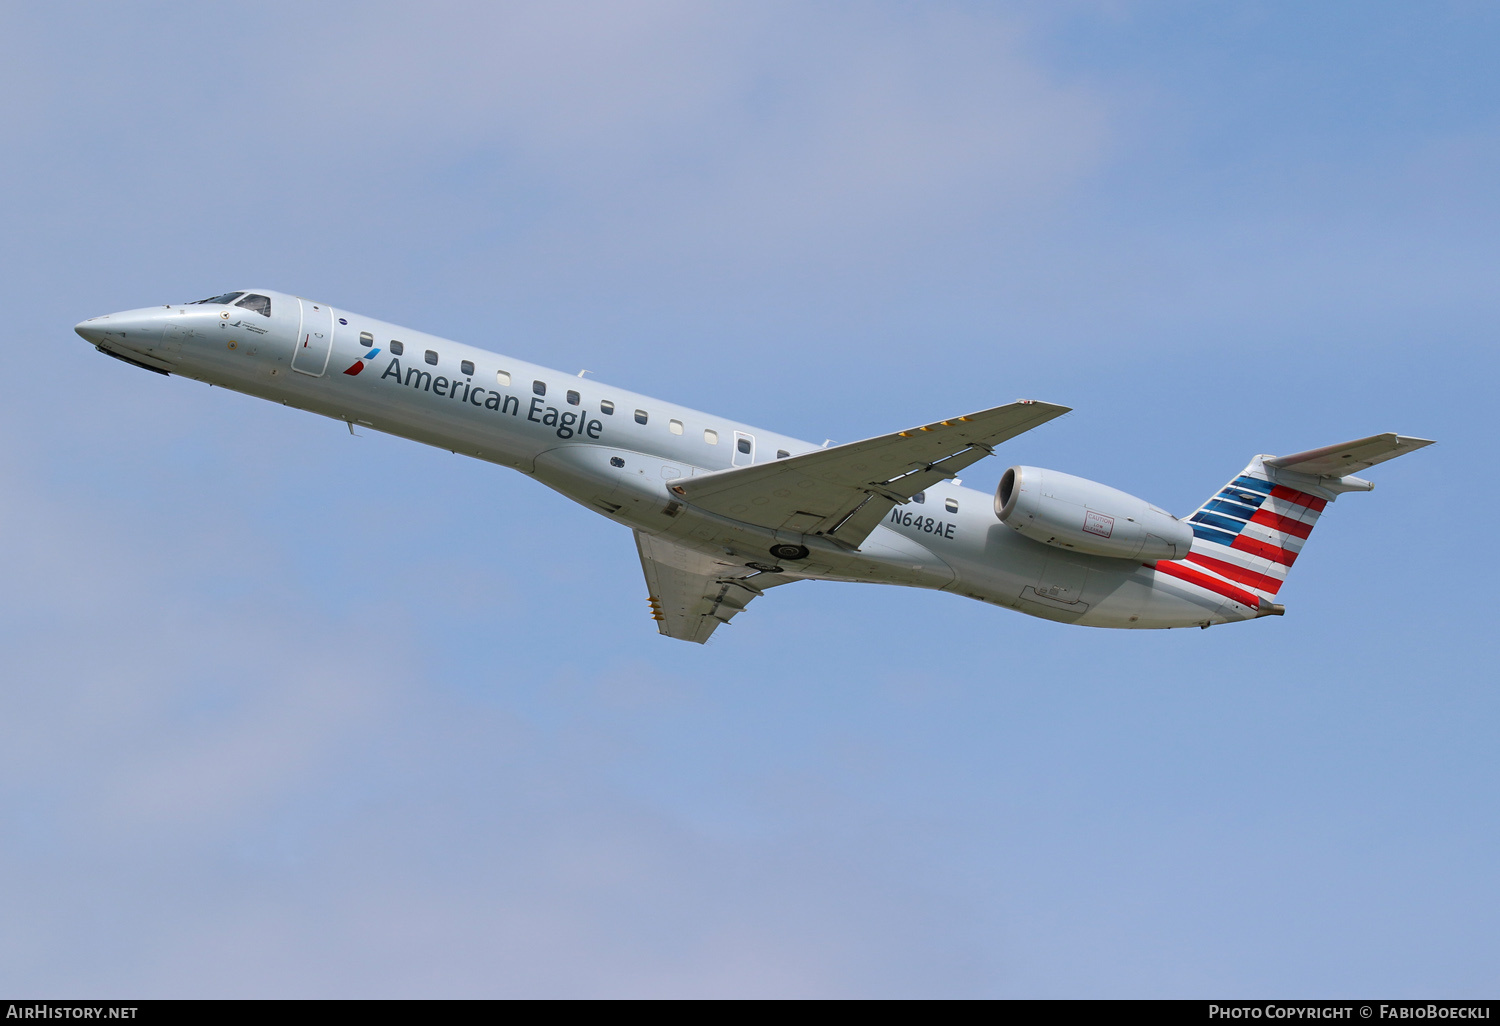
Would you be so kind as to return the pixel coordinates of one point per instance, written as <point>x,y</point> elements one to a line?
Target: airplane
<point>723,512</point>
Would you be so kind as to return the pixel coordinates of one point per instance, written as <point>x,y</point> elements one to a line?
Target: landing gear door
<point>315,340</point>
<point>744,450</point>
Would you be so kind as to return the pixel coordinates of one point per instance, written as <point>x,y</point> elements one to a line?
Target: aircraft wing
<point>842,493</point>
<point>1350,457</point>
<point>692,593</point>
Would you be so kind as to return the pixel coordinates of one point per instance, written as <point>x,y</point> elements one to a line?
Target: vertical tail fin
<point>1252,530</point>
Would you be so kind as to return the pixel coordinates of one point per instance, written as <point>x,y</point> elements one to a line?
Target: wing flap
<point>842,493</point>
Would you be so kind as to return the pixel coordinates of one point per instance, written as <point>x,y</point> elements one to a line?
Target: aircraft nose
<point>92,330</point>
<point>124,328</point>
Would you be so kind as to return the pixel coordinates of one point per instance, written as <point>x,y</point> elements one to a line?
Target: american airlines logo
<point>359,365</point>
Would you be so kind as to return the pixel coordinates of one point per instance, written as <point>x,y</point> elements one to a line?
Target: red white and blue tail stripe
<point>1246,537</point>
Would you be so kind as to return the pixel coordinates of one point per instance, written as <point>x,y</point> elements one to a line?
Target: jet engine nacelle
<point>1085,516</point>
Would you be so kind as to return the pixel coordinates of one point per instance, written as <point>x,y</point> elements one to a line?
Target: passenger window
<point>397,348</point>
<point>467,366</point>
<point>572,398</point>
<point>260,304</point>
<point>607,407</point>
<point>951,505</point>
<point>710,436</point>
<point>539,387</point>
<point>640,416</point>
<point>674,426</point>
<point>919,498</point>
<point>744,450</point>
<point>502,378</point>
<point>431,357</point>
<point>366,340</point>
<point>782,454</point>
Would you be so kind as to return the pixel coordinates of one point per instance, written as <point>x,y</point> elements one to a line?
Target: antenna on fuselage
<point>582,373</point>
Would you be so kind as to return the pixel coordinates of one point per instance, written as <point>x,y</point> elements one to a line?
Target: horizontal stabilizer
<point>842,493</point>
<point>1350,457</point>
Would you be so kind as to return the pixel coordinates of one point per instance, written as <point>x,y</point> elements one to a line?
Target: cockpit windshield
<point>226,299</point>
<point>260,304</point>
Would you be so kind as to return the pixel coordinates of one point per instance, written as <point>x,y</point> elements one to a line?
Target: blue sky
<point>290,713</point>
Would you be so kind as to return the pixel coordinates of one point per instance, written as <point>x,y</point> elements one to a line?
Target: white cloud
<point>713,128</point>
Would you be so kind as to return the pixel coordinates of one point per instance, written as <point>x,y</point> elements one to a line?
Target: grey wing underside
<point>692,593</point>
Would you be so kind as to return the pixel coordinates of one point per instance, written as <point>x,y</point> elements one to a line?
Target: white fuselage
<point>555,427</point>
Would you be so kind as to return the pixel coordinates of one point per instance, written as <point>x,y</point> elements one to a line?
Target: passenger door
<point>314,340</point>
